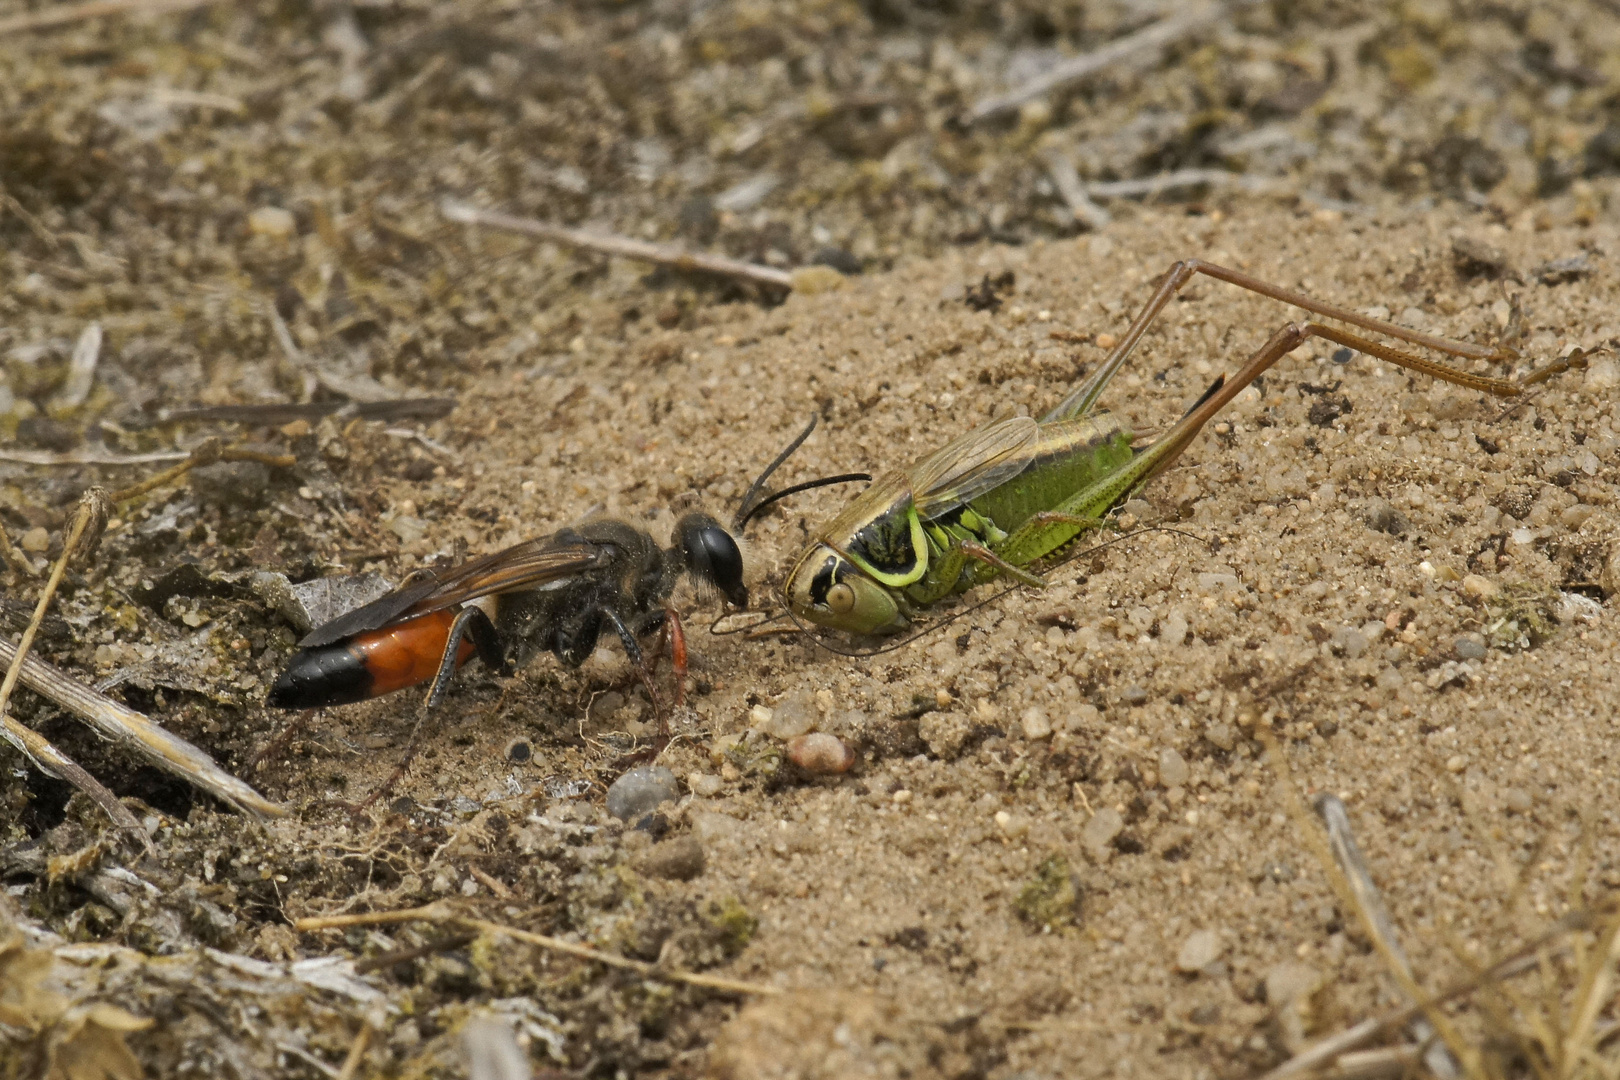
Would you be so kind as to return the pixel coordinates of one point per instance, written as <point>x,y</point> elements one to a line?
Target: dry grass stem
<point>1060,167</point>
<point>1369,904</point>
<point>92,516</point>
<point>442,913</point>
<point>624,246</point>
<point>65,14</point>
<point>1071,71</point>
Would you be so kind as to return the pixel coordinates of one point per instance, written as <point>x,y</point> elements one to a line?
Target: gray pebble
<point>1469,648</point>
<point>1349,642</point>
<point>680,859</point>
<point>641,789</point>
<point>793,716</point>
<point>1134,695</point>
<point>1221,735</point>
<point>1173,771</point>
<point>1104,825</point>
<point>1380,514</point>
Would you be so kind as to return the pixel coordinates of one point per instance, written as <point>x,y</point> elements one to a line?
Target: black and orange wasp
<point>560,592</point>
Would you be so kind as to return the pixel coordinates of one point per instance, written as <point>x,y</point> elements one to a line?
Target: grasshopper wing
<point>968,466</point>
<point>522,566</point>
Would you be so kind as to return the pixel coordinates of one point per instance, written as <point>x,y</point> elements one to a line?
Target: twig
<point>1395,962</point>
<point>1061,168</point>
<point>1375,917</point>
<point>89,457</point>
<point>118,723</point>
<point>71,13</point>
<point>1073,70</point>
<point>404,956</point>
<point>613,244</point>
<point>1516,963</point>
<point>443,913</point>
<point>1153,185</point>
<point>283,412</point>
<point>92,514</point>
<point>357,1052</point>
<point>208,453</point>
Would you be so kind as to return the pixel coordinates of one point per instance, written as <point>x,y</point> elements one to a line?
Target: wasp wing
<point>972,464</point>
<point>523,566</point>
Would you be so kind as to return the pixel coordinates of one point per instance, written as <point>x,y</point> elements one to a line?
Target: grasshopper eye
<point>841,599</point>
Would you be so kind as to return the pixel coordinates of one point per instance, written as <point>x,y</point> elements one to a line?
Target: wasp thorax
<point>827,589</point>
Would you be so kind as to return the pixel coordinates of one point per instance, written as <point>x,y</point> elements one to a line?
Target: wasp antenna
<point>825,481</point>
<point>746,508</point>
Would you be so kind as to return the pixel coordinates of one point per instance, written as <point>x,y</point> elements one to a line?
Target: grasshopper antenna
<point>752,503</point>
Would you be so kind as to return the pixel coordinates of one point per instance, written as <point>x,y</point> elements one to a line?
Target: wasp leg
<point>632,649</point>
<point>470,622</point>
<point>677,652</point>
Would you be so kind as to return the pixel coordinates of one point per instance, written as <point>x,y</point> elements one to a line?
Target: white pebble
<point>1201,949</point>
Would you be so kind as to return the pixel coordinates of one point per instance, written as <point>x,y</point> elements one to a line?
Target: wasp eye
<point>841,598</point>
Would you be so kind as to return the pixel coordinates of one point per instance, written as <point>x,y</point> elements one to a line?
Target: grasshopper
<point>1001,497</point>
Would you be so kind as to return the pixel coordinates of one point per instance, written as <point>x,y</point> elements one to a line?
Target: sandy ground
<point>1060,851</point>
<point>911,877</point>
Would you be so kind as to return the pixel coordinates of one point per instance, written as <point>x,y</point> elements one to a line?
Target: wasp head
<point>827,589</point>
<point>712,556</point>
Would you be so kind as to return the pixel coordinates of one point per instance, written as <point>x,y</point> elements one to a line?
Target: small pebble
<point>1106,341</point>
<point>680,859</point>
<point>704,785</point>
<point>1100,831</point>
<point>1012,826</point>
<point>902,796</point>
<point>641,789</point>
<point>1517,800</point>
<point>821,753</point>
<point>811,280</point>
<point>603,706</point>
<point>272,221</point>
<point>1173,631</point>
<point>1456,763</point>
<point>1173,771</point>
<point>1036,724</point>
<point>793,716</point>
<point>1134,695</point>
<point>1201,949</point>
<point>1381,515</point>
<point>1469,648</point>
<point>1290,981</point>
<point>760,717</point>
<point>1574,517</point>
<point>1221,735</point>
<point>1349,642</point>
<point>1602,374</point>
<point>35,540</point>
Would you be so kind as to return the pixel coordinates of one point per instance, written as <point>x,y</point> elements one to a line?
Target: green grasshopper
<point>1001,497</point>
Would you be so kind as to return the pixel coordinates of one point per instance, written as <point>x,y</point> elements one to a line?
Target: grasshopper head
<point>827,589</point>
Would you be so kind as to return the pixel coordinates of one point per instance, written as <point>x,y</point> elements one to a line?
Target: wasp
<point>560,592</point>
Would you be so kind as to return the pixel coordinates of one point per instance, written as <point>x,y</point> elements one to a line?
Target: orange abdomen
<point>409,652</point>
